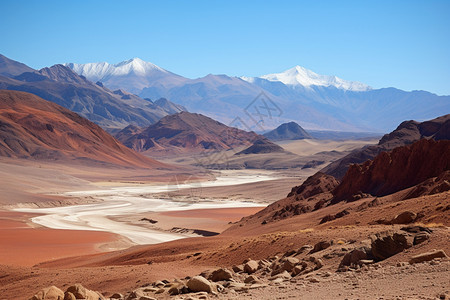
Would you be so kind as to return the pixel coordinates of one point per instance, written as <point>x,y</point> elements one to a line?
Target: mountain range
<point>314,101</point>
<point>107,108</point>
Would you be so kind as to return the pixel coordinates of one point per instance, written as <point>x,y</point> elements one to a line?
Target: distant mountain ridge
<point>300,76</point>
<point>314,101</point>
<point>132,75</point>
<point>110,109</point>
<point>287,131</point>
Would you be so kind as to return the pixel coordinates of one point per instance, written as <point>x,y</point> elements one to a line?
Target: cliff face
<point>392,171</point>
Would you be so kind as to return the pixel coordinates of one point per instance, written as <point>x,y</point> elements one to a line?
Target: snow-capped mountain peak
<point>136,65</point>
<point>301,76</point>
<point>98,71</point>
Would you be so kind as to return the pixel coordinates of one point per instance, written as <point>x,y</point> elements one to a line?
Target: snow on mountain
<point>132,75</point>
<point>98,71</point>
<point>307,78</point>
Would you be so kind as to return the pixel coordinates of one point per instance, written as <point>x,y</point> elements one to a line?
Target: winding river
<point>129,200</point>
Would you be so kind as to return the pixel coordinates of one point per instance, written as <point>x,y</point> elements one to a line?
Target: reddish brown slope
<point>393,171</point>
<point>31,127</point>
<point>186,132</point>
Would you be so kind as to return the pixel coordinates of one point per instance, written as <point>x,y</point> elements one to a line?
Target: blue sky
<point>405,44</point>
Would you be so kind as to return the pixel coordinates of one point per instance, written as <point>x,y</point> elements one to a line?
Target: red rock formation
<point>392,171</point>
<point>31,127</point>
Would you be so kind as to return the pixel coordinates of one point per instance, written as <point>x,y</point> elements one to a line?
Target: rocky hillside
<point>186,132</point>
<point>31,127</point>
<point>393,171</point>
<point>406,133</point>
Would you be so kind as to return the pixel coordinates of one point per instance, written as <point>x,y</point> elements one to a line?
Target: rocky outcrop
<point>431,186</point>
<point>406,133</point>
<point>392,171</point>
<point>387,244</point>
<point>317,184</point>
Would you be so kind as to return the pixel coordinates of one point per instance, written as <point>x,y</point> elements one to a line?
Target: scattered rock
<point>284,275</point>
<point>199,284</point>
<point>353,258</point>
<point>421,237</point>
<point>322,245</point>
<point>252,279</point>
<point>49,293</point>
<point>69,296</point>
<point>221,275</point>
<point>251,267</point>
<point>404,218</point>
<point>416,229</point>
<point>313,279</point>
<point>290,263</point>
<point>304,248</point>
<point>238,268</point>
<point>428,256</point>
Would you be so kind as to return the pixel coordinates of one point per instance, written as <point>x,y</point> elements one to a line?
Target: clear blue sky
<point>405,44</point>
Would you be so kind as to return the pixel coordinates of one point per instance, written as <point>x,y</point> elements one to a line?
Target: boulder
<point>386,244</point>
<point>404,218</point>
<point>49,293</point>
<point>428,256</point>
<point>80,292</point>
<point>252,279</point>
<point>251,266</point>
<point>199,284</point>
<point>221,275</point>
<point>136,294</point>
<point>290,263</point>
<point>352,258</point>
<point>416,229</point>
<point>177,289</point>
<point>116,296</point>
<point>322,245</point>
<point>421,237</point>
<point>69,296</point>
<point>238,268</point>
<point>284,275</point>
